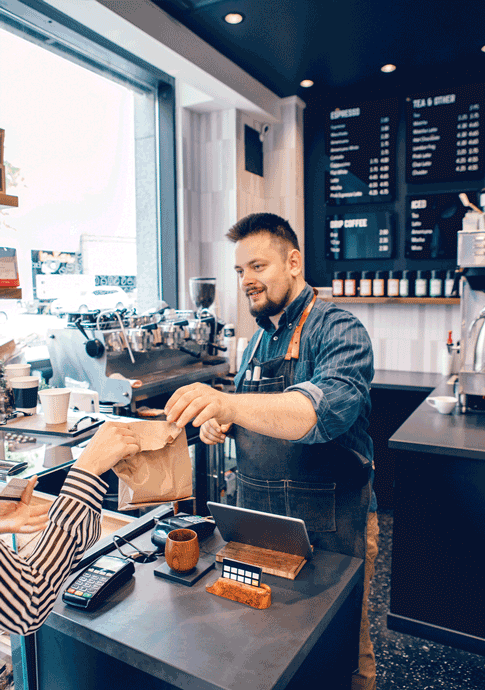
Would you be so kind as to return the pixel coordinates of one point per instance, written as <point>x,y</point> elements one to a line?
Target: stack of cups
<point>25,389</point>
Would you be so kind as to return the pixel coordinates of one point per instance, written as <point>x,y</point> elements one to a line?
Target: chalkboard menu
<point>433,221</point>
<point>360,236</point>
<point>361,150</point>
<point>443,139</point>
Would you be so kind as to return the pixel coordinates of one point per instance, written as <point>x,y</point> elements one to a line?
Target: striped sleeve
<point>29,587</point>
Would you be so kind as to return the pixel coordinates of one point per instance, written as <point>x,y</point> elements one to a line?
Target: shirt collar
<point>291,313</point>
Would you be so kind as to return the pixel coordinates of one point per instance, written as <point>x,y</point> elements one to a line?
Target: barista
<point>301,413</point>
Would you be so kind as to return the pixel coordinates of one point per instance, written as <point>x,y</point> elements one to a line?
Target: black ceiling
<point>342,44</point>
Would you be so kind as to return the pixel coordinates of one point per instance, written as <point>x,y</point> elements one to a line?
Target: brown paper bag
<point>161,472</point>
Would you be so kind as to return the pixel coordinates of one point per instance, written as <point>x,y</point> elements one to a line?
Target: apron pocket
<point>312,502</point>
<point>262,495</point>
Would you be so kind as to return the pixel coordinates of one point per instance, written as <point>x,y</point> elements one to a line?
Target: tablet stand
<point>272,562</point>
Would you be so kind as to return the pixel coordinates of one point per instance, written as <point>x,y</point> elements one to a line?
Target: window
<point>87,129</point>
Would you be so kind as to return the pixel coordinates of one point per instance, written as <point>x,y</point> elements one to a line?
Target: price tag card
<point>12,490</point>
<point>241,572</point>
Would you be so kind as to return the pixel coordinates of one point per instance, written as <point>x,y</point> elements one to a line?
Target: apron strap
<point>294,346</point>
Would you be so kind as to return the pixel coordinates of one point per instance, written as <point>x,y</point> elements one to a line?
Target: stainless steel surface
<point>471,249</point>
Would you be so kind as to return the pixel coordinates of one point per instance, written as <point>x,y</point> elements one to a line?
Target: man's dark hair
<point>263,222</point>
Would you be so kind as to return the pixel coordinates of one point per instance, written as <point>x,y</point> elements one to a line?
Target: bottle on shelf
<point>379,284</point>
<point>338,284</point>
<point>436,284</point>
<point>449,282</point>
<point>421,284</point>
<point>365,283</point>
<point>351,284</point>
<point>406,284</point>
<point>393,283</point>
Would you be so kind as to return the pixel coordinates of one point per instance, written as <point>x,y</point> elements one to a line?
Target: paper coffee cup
<point>13,371</point>
<point>55,404</point>
<point>25,389</point>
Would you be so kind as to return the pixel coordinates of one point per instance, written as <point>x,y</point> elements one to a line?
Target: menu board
<point>443,139</point>
<point>433,221</point>
<point>361,150</point>
<point>360,236</point>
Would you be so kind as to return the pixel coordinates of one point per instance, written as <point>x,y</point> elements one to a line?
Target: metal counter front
<point>153,633</point>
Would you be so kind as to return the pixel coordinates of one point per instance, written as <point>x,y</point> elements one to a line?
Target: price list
<point>360,236</point>
<point>433,221</point>
<point>443,136</point>
<point>361,151</point>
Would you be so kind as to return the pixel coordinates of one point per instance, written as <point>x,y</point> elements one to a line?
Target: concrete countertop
<point>428,431</point>
<point>405,380</point>
<point>189,638</point>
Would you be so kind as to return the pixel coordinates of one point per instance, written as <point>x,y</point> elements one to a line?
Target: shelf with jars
<point>393,300</point>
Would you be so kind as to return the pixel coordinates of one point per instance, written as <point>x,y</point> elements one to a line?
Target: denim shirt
<point>334,369</point>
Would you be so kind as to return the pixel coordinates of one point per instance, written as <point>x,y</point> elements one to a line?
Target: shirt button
<point>275,337</point>
<point>290,325</point>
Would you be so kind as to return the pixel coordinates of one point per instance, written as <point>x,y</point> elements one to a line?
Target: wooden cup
<point>182,550</point>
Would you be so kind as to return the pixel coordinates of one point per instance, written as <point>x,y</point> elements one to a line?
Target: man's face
<point>265,274</point>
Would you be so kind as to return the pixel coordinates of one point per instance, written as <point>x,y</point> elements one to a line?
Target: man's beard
<point>270,308</point>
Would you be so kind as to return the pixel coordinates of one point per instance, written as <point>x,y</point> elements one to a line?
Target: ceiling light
<point>388,68</point>
<point>234,18</point>
<point>306,83</point>
<point>482,49</point>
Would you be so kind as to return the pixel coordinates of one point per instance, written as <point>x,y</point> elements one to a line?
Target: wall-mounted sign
<point>360,236</point>
<point>433,221</point>
<point>443,140</point>
<point>361,151</point>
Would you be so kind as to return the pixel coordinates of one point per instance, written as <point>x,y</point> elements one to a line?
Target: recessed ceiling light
<point>482,49</point>
<point>234,18</point>
<point>388,68</point>
<point>306,83</point>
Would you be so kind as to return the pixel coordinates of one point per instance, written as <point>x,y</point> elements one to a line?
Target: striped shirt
<point>334,369</point>
<point>29,587</point>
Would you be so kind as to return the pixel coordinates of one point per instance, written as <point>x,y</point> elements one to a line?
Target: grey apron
<point>315,483</point>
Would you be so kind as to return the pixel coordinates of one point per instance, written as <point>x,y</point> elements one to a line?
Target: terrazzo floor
<point>405,662</point>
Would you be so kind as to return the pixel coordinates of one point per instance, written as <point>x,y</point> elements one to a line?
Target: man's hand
<point>212,432</point>
<point>111,443</point>
<point>19,517</point>
<point>199,403</point>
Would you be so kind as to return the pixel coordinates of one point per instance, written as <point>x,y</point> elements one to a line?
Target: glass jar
<point>449,281</point>
<point>365,283</point>
<point>338,284</point>
<point>393,284</point>
<point>379,284</point>
<point>406,284</point>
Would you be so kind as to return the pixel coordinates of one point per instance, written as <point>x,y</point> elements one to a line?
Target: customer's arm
<point>29,587</point>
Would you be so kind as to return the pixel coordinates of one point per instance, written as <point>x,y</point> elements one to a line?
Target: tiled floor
<point>411,663</point>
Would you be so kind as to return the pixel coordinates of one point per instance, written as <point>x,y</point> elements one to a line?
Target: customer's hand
<point>19,517</point>
<point>111,443</point>
<point>212,432</point>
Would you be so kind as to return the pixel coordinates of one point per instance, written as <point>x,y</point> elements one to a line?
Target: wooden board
<point>36,425</point>
<point>272,562</point>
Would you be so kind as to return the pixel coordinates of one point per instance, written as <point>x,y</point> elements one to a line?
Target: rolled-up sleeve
<point>338,350</point>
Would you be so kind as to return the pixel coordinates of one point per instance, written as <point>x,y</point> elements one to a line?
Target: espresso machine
<point>128,357</point>
<point>471,375</point>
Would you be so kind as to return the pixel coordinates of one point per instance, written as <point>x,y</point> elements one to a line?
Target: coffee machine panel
<point>471,377</point>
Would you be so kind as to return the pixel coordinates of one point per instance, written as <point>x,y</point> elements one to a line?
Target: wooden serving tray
<point>36,425</point>
<point>272,562</point>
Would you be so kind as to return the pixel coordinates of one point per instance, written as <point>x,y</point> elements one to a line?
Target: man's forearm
<point>281,415</point>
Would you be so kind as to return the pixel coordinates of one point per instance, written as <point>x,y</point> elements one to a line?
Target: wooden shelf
<point>10,293</point>
<point>393,300</point>
<point>7,200</point>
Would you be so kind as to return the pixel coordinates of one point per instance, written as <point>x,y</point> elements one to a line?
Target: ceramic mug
<point>182,550</point>
<point>443,403</point>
